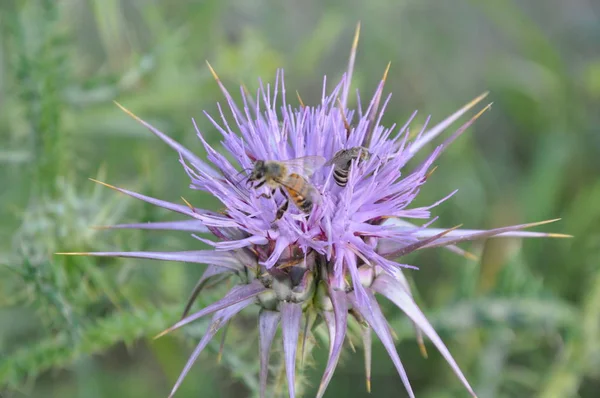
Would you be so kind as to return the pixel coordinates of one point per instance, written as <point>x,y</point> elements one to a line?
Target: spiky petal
<point>390,288</point>
<point>291,314</point>
<point>373,315</point>
<point>219,319</point>
<point>267,326</point>
<point>239,293</point>
<point>337,330</point>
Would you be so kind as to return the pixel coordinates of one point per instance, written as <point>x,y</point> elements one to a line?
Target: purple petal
<point>236,294</point>
<point>267,326</point>
<point>236,112</point>
<point>415,230</point>
<point>359,290</point>
<point>440,127</point>
<point>458,133</point>
<point>209,273</point>
<point>402,283</point>
<point>375,318</point>
<point>184,225</point>
<point>415,246</point>
<point>337,332</point>
<point>237,244</point>
<point>156,202</point>
<point>466,236</point>
<point>220,319</point>
<point>397,275</point>
<point>221,259</point>
<point>367,344</point>
<point>217,159</point>
<point>189,156</point>
<point>281,244</point>
<point>329,319</point>
<point>395,293</point>
<point>291,314</point>
<point>373,110</point>
<point>476,232</point>
<point>207,218</point>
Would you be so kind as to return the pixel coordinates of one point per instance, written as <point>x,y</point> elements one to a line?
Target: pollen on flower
<point>317,223</point>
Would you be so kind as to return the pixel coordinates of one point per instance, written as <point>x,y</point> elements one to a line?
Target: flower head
<point>314,225</point>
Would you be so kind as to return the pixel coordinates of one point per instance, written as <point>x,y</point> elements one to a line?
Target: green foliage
<point>59,351</point>
<point>521,321</point>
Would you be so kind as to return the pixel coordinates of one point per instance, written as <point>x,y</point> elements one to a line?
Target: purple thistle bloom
<point>332,261</point>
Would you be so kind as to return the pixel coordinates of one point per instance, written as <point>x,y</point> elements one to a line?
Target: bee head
<point>258,172</point>
<point>365,155</point>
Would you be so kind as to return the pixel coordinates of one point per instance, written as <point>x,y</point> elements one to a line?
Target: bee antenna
<point>243,170</point>
<point>237,181</point>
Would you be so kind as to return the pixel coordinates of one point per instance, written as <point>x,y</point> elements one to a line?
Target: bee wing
<point>335,158</point>
<point>344,156</point>
<point>311,193</point>
<point>305,165</point>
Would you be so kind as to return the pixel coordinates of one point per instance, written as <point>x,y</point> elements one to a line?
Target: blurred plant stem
<point>39,43</point>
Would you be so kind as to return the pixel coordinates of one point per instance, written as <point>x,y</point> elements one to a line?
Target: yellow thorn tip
<point>188,204</point>
<point>534,224</point>
<point>356,36</point>
<point>127,111</point>
<point>244,87</point>
<point>104,183</point>
<point>473,102</point>
<point>479,98</point>
<point>481,112</point>
<point>300,99</point>
<point>351,345</point>
<point>73,254</point>
<point>451,229</point>
<point>212,71</point>
<point>161,334</point>
<point>431,172</point>
<point>423,349</point>
<point>470,256</point>
<point>387,69</point>
<point>552,235</point>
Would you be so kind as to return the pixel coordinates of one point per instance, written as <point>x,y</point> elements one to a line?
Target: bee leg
<point>267,196</point>
<point>282,209</point>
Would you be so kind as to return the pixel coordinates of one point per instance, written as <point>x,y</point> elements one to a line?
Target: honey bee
<point>289,176</point>
<point>342,162</point>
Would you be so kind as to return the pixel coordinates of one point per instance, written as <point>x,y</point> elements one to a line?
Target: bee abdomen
<point>304,204</point>
<point>340,176</point>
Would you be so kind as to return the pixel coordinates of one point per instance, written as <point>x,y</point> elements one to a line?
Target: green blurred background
<point>522,321</point>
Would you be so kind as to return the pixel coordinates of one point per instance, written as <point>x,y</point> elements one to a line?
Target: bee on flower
<point>280,175</point>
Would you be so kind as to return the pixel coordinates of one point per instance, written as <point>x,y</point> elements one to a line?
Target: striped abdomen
<point>300,191</point>
<point>340,174</point>
<point>342,162</point>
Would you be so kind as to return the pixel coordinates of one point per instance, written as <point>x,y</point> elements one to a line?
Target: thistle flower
<point>327,263</point>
